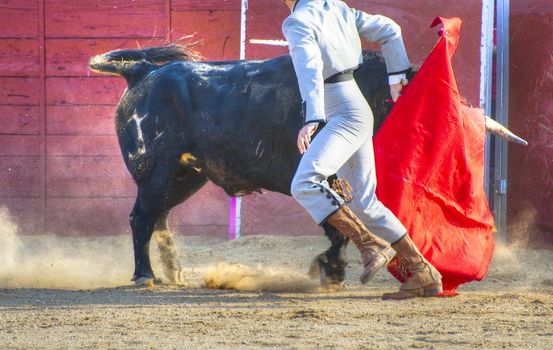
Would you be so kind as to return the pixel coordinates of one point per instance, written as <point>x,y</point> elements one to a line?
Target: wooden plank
<point>20,176</point>
<point>264,20</point>
<point>219,231</point>
<point>276,214</point>
<point>19,91</point>
<point>20,145</point>
<point>530,175</point>
<point>19,18</point>
<point>42,115</point>
<point>24,212</point>
<point>81,120</point>
<point>19,120</point>
<point>104,216</point>
<point>88,216</point>
<point>69,57</point>
<point>69,145</point>
<point>100,176</point>
<point>219,32</point>
<point>84,91</point>
<point>92,216</point>
<point>205,5</point>
<point>167,19</point>
<point>209,206</point>
<point>19,57</point>
<point>104,19</point>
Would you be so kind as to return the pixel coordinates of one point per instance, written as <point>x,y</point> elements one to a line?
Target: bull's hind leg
<point>185,183</point>
<point>167,249</point>
<point>142,219</point>
<point>330,266</point>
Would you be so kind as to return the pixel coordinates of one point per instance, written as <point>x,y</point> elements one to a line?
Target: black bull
<point>235,123</point>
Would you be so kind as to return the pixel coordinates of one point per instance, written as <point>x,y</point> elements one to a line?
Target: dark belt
<point>341,76</point>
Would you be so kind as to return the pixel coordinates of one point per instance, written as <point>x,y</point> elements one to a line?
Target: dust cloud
<point>279,262</point>
<point>228,275</point>
<point>518,268</point>
<point>522,226</point>
<point>77,263</point>
<point>516,264</point>
<point>48,261</point>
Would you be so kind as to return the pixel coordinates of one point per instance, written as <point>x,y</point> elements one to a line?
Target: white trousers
<point>344,147</point>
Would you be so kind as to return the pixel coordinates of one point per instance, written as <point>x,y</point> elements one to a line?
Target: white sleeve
<point>384,31</point>
<point>308,65</point>
<point>396,78</point>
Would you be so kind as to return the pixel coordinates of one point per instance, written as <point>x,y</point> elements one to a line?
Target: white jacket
<point>324,39</point>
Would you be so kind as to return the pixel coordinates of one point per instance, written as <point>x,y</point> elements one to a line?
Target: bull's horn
<point>497,129</point>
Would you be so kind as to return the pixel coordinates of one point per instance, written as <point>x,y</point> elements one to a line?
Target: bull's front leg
<point>330,266</point>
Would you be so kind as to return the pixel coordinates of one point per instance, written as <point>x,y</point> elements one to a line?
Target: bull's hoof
<point>175,276</point>
<point>317,270</point>
<point>146,281</point>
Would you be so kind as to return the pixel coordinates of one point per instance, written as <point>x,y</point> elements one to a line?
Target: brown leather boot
<point>375,252</point>
<point>423,280</point>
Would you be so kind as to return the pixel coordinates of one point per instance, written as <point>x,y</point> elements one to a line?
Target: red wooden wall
<point>61,168</point>
<point>530,175</point>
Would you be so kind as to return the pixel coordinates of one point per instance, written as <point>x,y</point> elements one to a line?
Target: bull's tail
<point>134,62</point>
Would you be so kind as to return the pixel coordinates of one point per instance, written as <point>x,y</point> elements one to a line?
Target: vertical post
<point>502,116</point>
<point>243,13</point>
<point>234,218</point>
<point>236,202</point>
<point>486,61</point>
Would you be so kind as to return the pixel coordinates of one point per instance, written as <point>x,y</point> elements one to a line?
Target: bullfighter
<point>324,42</point>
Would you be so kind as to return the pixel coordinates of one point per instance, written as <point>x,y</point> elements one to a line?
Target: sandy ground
<point>74,293</point>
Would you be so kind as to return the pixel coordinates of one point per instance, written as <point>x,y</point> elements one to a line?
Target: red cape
<point>430,169</point>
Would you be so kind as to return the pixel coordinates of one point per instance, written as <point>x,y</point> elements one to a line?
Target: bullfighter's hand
<point>395,91</point>
<point>304,136</point>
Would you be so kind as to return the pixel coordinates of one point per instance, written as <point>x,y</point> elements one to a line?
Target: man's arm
<point>308,65</point>
<point>384,31</point>
<point>387,33</point>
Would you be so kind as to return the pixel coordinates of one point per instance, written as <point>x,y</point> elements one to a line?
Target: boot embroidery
<point>342,187</point>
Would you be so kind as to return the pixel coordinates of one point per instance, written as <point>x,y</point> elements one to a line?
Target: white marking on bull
<point>253,73</point>
<point>260,149</point>
<point>158,135</point>
<point>141,147</point>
